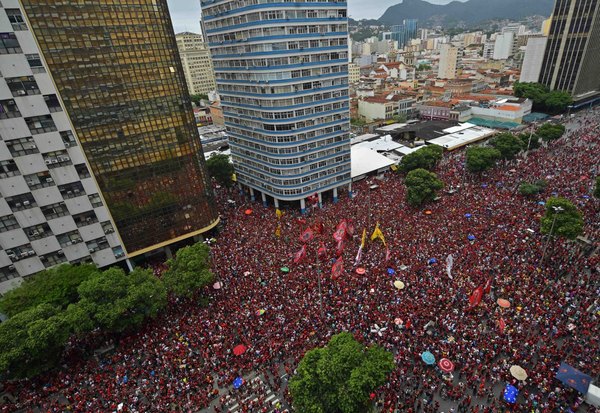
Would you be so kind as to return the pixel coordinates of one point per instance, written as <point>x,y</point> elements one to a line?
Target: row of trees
<point>544,100</point>
<point>74,300</point>
<point>221,169</point>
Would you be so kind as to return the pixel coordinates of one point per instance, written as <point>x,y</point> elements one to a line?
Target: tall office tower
<point>503,46</point>
<point>51,210</point>
<point>448,61</point>
<point>534,56</point>
<point>405,32</point>
<point>282,73</point>
<point>573,49</point>
<point>116,67</point>
<point>196,62</point>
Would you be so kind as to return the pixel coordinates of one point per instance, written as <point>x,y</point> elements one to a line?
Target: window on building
<point>53,258</point>
<point>69,238</point>
<point>68,138</point>
<point>95,200</point>
<point>35,63</point>
<point>16,19</point>
<point>82,171</point>
<point>71,190</point>
<point>22,86</point>
<point>85,218</point>
<point>8,222</point>
<point>56,159</point>
<point>9,44</point>
<point>118,252</point>
<point>97,244</point>
<point>22,146</point>
<point>55,210</point>
<point>9,109</point>
<point>20,253</point>
<point>8,273</point>
<point>21,202</point>
<point>8,168</point>
<point>39,180</point>
<point>40,124</point>
<point>107,227</point>
<point>38,231</point>
<point>53,103</point>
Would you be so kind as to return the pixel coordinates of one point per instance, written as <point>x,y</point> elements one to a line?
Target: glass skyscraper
<point>405,32</point>
<point>282,73</point>
<point>118,72</point>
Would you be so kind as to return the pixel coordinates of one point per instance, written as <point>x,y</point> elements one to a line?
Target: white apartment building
<point>51,210</point>
<point>196,62</point>
<point>448,61</point>
<point>534,57</point>
<point>503,47</point>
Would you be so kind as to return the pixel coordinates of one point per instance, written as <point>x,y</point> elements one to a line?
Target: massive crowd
<point>181,360</point>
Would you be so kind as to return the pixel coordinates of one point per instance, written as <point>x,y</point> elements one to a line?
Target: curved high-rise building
<point>282,73</point>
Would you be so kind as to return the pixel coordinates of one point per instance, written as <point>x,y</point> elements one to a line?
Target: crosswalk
<point>272,401</point>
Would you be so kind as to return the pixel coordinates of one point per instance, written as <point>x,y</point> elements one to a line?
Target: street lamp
<point>533,125</point>
<point>557,210</point>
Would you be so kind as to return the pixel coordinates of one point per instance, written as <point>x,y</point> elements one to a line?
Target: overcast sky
<point>186,13</point>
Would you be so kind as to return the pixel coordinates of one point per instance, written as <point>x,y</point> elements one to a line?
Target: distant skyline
<point>186,13</point>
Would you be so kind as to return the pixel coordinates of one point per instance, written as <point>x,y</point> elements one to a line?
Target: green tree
<point>562,218</point>
<point>221,169</point>
<point>56,286</point>
<point>118,302</point>
<point>427,157</point>
<point>557,101</point>
<point>189,271</point>
<point>358,122</point>
<point>525,140</point>
<point>32,341</point>
<point>534,91</point>
<point>508,145</point>
<point>480,158</point>
<point>197,98</point>
<point>340,377</point>
<point>550,131</point>
<point>423,67</point>
<point>597,190</point>
<point>529,189</point>
<point>421,187</point>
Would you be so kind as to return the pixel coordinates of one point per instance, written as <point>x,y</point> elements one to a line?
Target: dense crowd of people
<point>184,360</point>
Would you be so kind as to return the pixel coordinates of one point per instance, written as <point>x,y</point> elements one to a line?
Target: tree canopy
<point>55,286</point>
<point>550,131</point>
<point>543,98</point>
<point>220,168</point>
<point>189,271</point>
<point>340,377</point>
<point>425,158</point>
<point>197,98</point>
<point>421,187</point>
<point>530,140</point>
<point>569,222</point>
<point>597,189</point>
<point>529,189</point>
<point>480,158</point>
<point>508,145</point>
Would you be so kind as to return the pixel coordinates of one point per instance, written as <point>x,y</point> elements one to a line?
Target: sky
<point>186,13</point>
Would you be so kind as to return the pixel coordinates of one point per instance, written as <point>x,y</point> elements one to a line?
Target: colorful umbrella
<point>428,358</point>
<point>217,285</point>
<point>518,373</point>
<point>511,393</point>
<point>399,284</point>
<point>237,383</point>
<point>471,237</point>
<point>285,269</point>
<point>574,378</point>
<point>391,271</point>
<point>398,321</point>
<point>428,212</point>
<point>468,215</point>
<point>431,261</point>
<point>248,212</point>
<point>239,349</point>
<point>260,312</point>
<point>446,365</point>
<point>503,303</point>
<point>360,270</point>
<point>378,330</point>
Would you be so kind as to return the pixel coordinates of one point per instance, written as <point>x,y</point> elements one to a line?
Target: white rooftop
<point>405,150</point>
<point>392,127</point>
<point>463,137</point>
<point>383,144</point>
<point>362,138</point>
<point>365,160</point>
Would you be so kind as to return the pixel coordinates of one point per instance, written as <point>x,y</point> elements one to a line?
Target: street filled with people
<point>272,310</point>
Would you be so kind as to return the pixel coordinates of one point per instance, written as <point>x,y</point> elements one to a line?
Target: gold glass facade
<point>116,65</point>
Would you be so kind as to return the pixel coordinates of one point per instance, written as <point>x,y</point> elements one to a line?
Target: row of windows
<point>295,150</point>
<point>223,65</point>
<point>258,32</point>
<point>282,75</point>
<point>272,90</point>
<point>305,190</point>
<point>289,113</point>
<point>274,103</point>
<point>288,138</point>
<point>217,52</point>
<point>224,7</point>
<point>309,123</point>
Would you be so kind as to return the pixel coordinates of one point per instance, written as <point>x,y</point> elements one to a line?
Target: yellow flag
<point>278,231</point>
<point>278,213</point>
<point>378,234</point>
<point>364,238</point>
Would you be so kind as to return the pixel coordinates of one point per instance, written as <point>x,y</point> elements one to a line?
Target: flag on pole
<point>322,250</point>
<point>278,213</point>
<point>307,235</point>
<point>358,256</point>
<point>299,256</point>
<point>340,231</point>
<point>488,286</point>
<point>501,325</point>
<point>387,254</point>
<point>476,297</point>
<point>340,248</point>
<point>364,238</point>
<point>337,268</point>
<point>449,263</point>
<point>278,231</point>
<point>378,234</point>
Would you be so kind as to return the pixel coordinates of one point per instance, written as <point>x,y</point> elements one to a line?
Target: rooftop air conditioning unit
<point>31,252</point>
<point>68,243</point>
<point>26,202</point>
<point>34,233</point>
<point>60,252</point>
<point>49,180</point>
<point>48,161</point>
<point>11,267</point>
